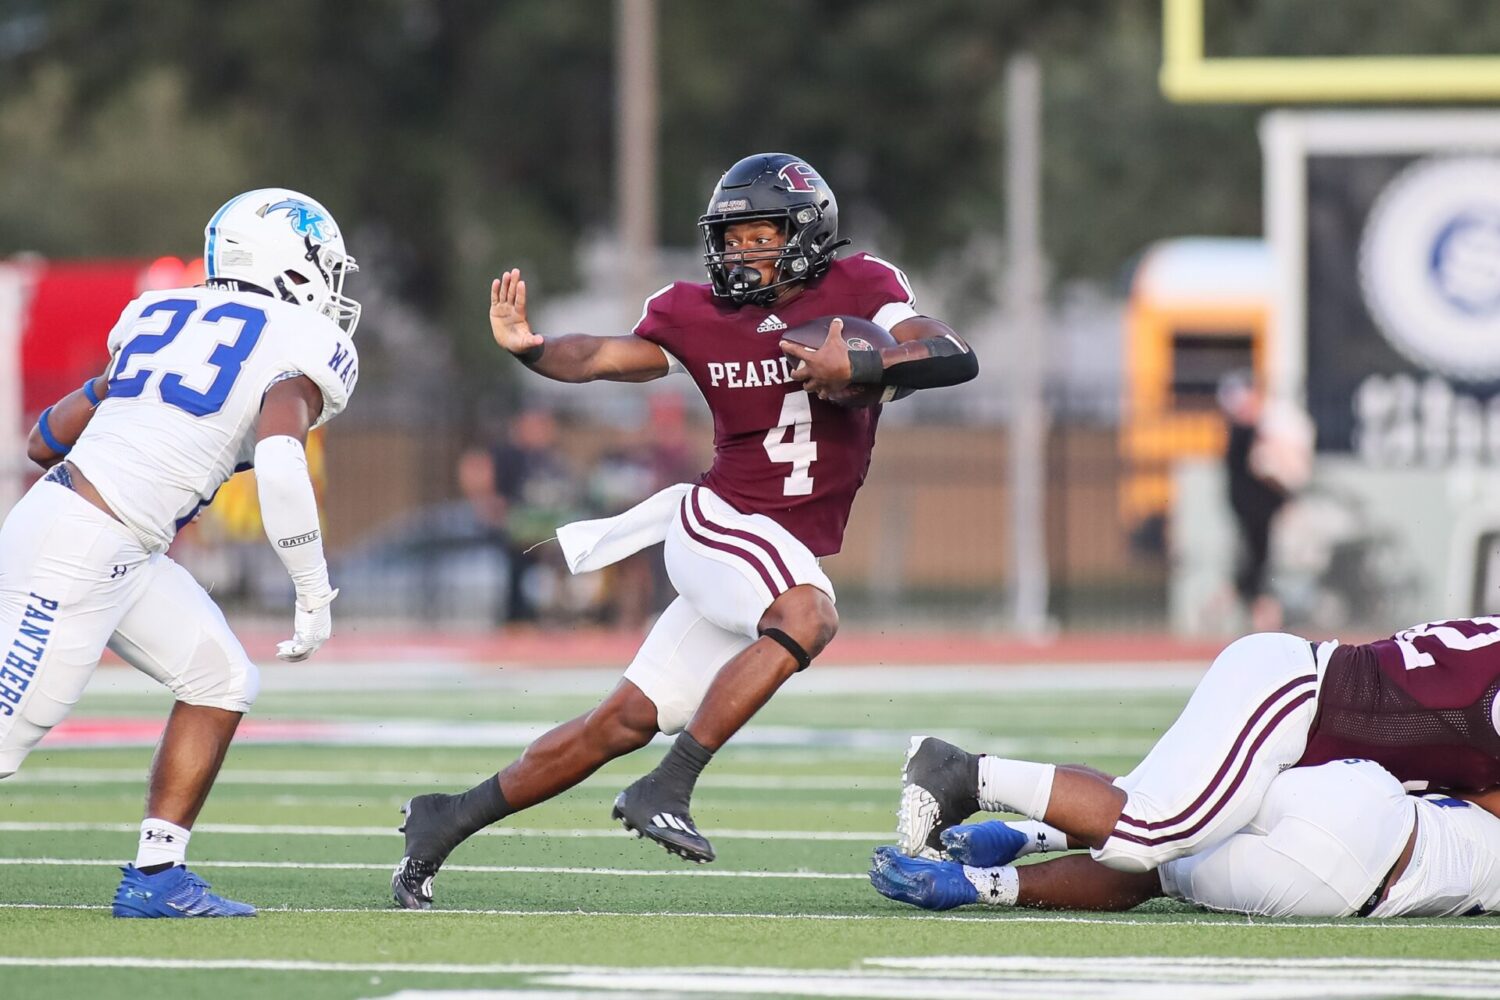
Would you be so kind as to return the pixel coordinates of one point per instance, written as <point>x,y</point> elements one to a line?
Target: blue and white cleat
<point>984,845</point>
<point>932,885</point>
<point>176,892</point>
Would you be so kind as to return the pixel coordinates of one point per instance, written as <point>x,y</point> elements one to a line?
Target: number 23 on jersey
<point>226,358</point>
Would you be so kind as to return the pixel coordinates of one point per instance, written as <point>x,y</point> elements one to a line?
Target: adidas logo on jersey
<point>770,324</point>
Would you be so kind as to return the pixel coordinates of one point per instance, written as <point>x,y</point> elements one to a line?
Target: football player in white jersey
<point>201,383</point>
<point>1336,840</point>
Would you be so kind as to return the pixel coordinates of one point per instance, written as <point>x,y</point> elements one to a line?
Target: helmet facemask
<point>798,259</point>
<point>334,266</point>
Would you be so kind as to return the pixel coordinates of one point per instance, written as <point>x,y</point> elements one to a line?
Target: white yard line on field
<point>918,679</point>
<point>428,733</point>
<point>274,830</point>
<point>134,776</point>
<point>695,872</point>
<point>1025,979</point>
<point>1246,924</point>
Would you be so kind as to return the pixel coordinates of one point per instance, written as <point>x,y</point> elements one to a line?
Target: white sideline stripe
<point>696,872</point>
<point>1440,925</point>
<point>414,779</point>
<point>884,836</point>
<point>1039,980</point>
<point>426,734</point>
<point>882,968</point>
<point>1187,965</point>
<point>1020,987</point>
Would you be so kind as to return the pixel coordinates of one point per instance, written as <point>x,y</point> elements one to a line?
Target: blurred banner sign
<point>1385,234</point>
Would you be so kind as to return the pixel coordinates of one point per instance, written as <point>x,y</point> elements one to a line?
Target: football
<point>860,335</point>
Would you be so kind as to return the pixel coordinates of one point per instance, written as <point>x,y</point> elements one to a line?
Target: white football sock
<point>1015,786</point>
<point>161,843</point>
<point>996,886</point>
<point>1040,837</point>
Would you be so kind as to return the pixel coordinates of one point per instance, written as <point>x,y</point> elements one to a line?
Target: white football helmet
<point>285,244</point>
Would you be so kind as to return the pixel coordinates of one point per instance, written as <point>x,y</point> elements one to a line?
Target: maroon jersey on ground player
<point>1421,704</point>
<point>777,450</point>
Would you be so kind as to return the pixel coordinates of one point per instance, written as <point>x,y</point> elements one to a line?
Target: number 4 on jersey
<point>796,447</point>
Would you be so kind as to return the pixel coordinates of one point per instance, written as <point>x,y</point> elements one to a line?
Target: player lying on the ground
<point>201,383</point>
<point>1336,840</point>
<point>742,545</point>
<point>1420,704</point>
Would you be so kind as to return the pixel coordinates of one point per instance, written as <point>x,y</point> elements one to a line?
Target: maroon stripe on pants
<point>746,536</point>
<point>1228,793</point>
<point>1234,750</point>
<point>732,550</point>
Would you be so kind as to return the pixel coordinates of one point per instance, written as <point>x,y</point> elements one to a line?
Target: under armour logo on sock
<point>161,835</point>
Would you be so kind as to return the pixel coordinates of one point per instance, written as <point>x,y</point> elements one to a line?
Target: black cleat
<point>411,884</point>
<point>939,788</point>
<point>428,842</point>
<point>647,812</point>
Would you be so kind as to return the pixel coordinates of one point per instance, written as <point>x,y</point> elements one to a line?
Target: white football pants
<point>73,580</point>
<point>1319,846</point>
<point>727,568</point>
<point>1207,776</point>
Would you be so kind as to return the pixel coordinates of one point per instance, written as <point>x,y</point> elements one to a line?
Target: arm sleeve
<point>289,510</point>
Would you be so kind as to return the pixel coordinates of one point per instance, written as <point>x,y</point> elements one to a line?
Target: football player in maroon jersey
<point>742,544</point>
<point>1423,704</point>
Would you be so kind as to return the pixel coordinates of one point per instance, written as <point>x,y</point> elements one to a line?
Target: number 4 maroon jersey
<point>777,450</point>
<point>1422,704</point>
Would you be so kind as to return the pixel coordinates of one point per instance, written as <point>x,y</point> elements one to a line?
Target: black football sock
<point>679,769</point>
<point>477,808</point>
<point>157,869</point>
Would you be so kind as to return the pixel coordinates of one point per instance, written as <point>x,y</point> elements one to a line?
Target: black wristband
<point>866,367</point>
<point>531,355</point>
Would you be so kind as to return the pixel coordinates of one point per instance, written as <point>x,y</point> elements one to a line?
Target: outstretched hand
<point>823,371</point>
<point>508,313</point>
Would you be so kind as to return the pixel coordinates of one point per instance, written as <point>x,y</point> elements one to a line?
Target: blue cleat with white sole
<point>932,885</point>
<point>176,892</point>
<point>984,845</point>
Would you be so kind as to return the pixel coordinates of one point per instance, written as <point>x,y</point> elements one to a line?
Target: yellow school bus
<point>1199,308</point>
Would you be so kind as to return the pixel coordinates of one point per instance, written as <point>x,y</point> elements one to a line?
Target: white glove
<point>311,627</point>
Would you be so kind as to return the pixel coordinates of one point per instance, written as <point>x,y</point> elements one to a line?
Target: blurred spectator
<point>1268,460</point>
<point>657,456</point>
<point>532,490</point>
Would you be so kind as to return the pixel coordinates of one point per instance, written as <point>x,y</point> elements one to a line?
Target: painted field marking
<point>1203,979</point>
<point>871,968</point>
<point>105,732</point>
<point>248,829</point>
<point>134,776</point>
<point>1438,925</point>
<point>1013,987</point>
<point>695,872</point>
<point>1189,965</point>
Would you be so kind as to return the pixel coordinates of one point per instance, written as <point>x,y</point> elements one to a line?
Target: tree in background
<point>462,136</point>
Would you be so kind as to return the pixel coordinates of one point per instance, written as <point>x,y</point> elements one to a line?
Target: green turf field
<point>560,904</point>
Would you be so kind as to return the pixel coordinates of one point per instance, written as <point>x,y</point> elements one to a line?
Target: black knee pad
<point>790,645</point>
